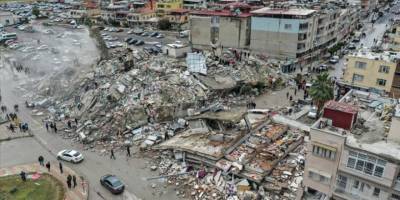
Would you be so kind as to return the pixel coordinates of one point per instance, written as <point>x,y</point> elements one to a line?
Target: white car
<point>313,113</point>
<point>70,156</point>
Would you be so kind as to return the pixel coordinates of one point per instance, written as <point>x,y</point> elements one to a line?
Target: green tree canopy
<point>321,90</point>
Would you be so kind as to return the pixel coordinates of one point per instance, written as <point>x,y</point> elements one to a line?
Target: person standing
<point>41,160</point>
<point>47,127</point>
<point>112,156</point>
<point>69,179</point>
<point>74,180</point>
<point>128,151</point>
<point>69,124</point>
<point>295,91</point>
<point>55,128</point>
<point>61,167</point>
<point>48,166</point>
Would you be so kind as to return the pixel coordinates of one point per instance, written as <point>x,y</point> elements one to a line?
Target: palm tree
<point>321,90</point>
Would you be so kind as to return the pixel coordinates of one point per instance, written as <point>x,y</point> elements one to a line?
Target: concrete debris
<point>191,114</point>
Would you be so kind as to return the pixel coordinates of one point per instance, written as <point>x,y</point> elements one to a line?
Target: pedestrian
<point>61,167</point>
<point>295,91</point>
<point>290,98</point>
<point>76,121</point>
<point>69,124</point>
<point>48,166</point>
<point>12,128</point>
<point>51,125</point>
<point>47,127</point>
<point>23,176</point>
<point>112,156</point>
<point>69,179</point>
<point>55,128</point>
<point>301,69</point>
<point>74,180</point>
<point>128,151</point>
<point>287,95</point>
<point>41,160</point>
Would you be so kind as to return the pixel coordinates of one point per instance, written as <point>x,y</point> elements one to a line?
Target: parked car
<point>145,34</point>
<point>127,39</point>
<point>334,60</point>
<point>313,112</point>
<point>351,46</point>
<point>132,41</point>
<point>154,34</point>
<point>112,183</point>
<point>139,42</point>
<point>160,36</point>
<point>70,156</point>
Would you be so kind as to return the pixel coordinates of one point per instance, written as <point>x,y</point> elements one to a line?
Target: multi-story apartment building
<point>163,6</point>
<point>228,28</point>
<point>353,153</point>
<point>282,33</point>
<point>378,72</point>
<point>141,17</point>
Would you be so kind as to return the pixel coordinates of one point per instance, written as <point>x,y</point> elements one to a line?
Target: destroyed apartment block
<point>227,141</point>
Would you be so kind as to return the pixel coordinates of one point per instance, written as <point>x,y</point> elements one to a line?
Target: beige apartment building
<point>352,153</point>
<point>377,72</point>
<point>224,28</point>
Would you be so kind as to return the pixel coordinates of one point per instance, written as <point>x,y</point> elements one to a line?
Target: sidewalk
<point>6,134</point>
<point>79,193</point>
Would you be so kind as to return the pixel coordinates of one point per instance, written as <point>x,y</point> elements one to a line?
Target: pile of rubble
<point>210,146</point>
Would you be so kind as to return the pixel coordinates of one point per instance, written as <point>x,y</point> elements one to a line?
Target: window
<point>288,26</point>
<point>384,69</point>
<point>301,46</point>
<point>366,164</point>
<point>378,171</point>
<point>358,77</point>
<point>303,26</point>
<point>369,167</point>
<point>381,82</point>
<point>360,65</point>
<point>341,181</point>
<point>356,184</point>
<point>395,197</point>
<point>318,177</point>
<point>351,162</point>
<point>323,152</point>
<point>302,36</point>
<point>376,192</point>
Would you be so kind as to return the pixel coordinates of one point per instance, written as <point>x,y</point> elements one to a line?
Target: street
<point>375,32</point>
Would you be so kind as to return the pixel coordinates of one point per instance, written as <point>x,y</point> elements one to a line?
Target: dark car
<point>156,50</point>
<point>132,41</point>
<point>140,42</point>
<point>127,39</point>
<point>112,183</point>
<point>351,47</point>
<point>154,34</point>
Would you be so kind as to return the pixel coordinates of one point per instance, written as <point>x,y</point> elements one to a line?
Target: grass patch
<point>45,188</point>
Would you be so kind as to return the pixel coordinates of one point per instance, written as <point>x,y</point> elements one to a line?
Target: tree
<point>164,24</point>
<point>35,11</point>
<point>321,90</point>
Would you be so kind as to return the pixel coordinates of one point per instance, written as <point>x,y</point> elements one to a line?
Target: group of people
<point>128,152</point>
<point>15,122</point>
<point>52,126</point>
<point>71,179</point>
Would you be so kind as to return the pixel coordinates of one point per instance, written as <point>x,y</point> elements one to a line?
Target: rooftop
<point>387,56</point>
<point>221,13</point>
<point>340,106</point>
<point>280,11</point>
<point>371,132</point>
